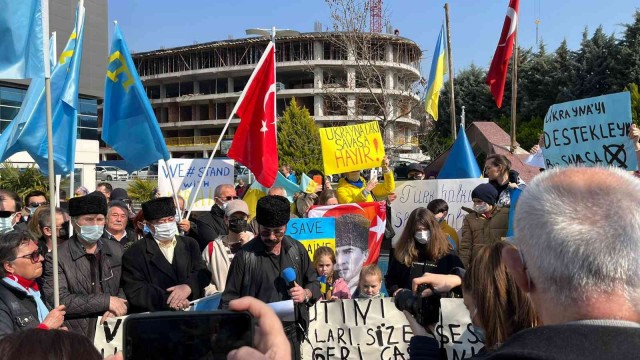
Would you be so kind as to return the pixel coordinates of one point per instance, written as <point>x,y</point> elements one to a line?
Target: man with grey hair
<point>211,225</point>
<point>577,233</point>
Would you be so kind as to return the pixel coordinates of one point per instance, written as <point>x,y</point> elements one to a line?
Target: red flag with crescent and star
<point>497,75</point>
<point>254,143</point>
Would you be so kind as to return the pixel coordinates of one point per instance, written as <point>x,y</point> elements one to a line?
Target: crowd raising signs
<point>589,132</point>
<point>351,148</point>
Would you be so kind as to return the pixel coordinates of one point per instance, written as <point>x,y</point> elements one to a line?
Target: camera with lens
<point>426,310</point>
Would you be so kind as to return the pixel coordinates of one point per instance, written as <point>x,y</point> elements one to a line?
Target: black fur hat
<point>352,230</point>
<point>273,211</point>
<point>158,208</point>
<point>93,203</point>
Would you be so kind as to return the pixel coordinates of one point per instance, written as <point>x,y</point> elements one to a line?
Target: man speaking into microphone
<point>274,267</point>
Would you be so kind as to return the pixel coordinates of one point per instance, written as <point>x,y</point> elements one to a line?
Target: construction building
<point>194,88</point>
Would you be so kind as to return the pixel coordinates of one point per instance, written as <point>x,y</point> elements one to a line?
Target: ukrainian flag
<point>436,76</point>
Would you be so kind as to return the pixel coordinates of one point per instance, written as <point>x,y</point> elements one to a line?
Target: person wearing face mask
<point>164,270</point>
<point>497,306</point>
<point>440,210</point>
<point>89,268</point>
<point>219,253</point>
<point>487,223</point>
<point>422,248</point>
<point>415,172</point>
<point>10,212</point>
<point>353,188</point>
<point>210,225</point>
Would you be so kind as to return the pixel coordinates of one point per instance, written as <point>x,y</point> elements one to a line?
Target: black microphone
<point>289,276</point>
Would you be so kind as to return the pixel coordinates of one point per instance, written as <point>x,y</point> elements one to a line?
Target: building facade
<point>92,75</point>
<point>193,89</point>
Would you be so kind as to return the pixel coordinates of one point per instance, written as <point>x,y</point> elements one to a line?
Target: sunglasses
<point>34,257</point>
<point>6,214</point>
<point>229,198</point>
<point>37,204</point>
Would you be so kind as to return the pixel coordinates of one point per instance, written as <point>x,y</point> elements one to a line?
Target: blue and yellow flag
<point>436,76</point>
<point>21,39</point>
<point>28,130</point>
<point>129,125</point>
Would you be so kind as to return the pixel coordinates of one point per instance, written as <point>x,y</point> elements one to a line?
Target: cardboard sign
<point>313,233</point>
<point>419,193</point>
<point>351,148</point>
<point>108,339</point>
<point>590,132</point>
<point>359,233</point>
<point>376,329</point>
<point>186,173</point>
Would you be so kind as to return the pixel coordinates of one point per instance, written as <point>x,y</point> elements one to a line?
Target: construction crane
<point>375,10</point>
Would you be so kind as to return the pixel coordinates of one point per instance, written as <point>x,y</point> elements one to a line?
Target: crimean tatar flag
<point>436,76</point>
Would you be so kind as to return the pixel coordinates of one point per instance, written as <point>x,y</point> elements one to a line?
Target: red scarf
<point>24,282</point>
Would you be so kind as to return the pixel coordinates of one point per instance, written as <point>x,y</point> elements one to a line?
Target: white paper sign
<point>418,193</point>
<point>455,330</point>
<point>108,339</point>
<point>185,175</point>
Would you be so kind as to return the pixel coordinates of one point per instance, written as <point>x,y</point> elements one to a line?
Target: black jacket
<point>18,311</point>
<point>573,341</point>
<point>76,291</point>
<point>146,273</point>
<point>399,275</point>
<point>130,237</point>
<point>209,226</point>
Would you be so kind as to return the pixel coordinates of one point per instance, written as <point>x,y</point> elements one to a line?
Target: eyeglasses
<point>37,204</point>
<point>34,257</point>
<point>110,269</point>
<point>267,233</point>
<point>228,198</point>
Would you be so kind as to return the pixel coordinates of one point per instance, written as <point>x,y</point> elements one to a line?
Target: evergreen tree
<point>635,102</point>
<point>563,73</point>
<point>299,139</point>
<point>630,51</point>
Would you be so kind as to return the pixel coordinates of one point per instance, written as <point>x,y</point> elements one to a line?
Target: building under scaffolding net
<point>193,89</point>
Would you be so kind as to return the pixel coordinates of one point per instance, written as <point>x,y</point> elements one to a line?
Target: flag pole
<point>451,75</point>
<point>514,91</point>
<point>224,130</point>
<point>52,186</point>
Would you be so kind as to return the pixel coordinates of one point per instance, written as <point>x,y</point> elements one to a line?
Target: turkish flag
<point>497,75</point>
<point>254,143</point>
<point>374,212</point>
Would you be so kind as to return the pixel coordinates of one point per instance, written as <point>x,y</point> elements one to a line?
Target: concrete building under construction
<point>194,88</point>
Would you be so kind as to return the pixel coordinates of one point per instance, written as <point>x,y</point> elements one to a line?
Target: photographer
<point>422,248</point>
<point>498,308</point>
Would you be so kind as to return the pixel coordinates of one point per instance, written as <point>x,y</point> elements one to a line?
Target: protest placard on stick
<point>351,148</point>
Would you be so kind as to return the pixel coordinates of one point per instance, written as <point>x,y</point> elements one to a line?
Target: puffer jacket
<point>478,230</point>
<point>348,193</point>
<point>76,290</point>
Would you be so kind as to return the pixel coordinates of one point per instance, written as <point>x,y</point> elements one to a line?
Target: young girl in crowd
<point>324,259</point>
<point>370,283</point>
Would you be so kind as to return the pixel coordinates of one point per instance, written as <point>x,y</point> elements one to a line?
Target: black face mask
<point>237,225</point>
<point>64,232</point>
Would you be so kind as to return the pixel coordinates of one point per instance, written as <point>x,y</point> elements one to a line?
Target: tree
<point>299,139</point>
<point>22,180</point>
<point>142,190</point>
<point>364,88</point>
<point>635,102</point>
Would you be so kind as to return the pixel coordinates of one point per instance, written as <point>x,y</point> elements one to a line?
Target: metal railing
<point>195,140</point>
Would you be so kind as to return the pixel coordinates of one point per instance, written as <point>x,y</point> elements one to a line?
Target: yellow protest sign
<point>351,148</point>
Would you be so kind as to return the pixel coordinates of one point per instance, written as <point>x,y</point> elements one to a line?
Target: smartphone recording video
<point>186,335</point>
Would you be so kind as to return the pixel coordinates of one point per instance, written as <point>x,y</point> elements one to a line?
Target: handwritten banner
<point>590,132</point>
<point>108,339</point>
<point>313,233</point>
<point>376,329</point>
<point>419,193</point>
<point>186,173</point>
<point>351,148</point>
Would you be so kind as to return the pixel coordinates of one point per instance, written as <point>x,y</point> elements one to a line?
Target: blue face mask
<point>6,224</point>
<point>91,233</point>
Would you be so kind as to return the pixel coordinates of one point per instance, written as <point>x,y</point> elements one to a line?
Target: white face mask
<point>481,208</point>
<point>6,224</point>
<point>422,236</point>
<point>165,232</point>
<point>91,233</point>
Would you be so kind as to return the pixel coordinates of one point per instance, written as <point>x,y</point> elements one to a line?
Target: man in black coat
<point>163,271</point>
<point>211,225</point>
<point>256,270</point>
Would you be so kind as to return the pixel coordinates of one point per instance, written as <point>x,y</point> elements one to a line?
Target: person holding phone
<point>163,271</point>
<point>354,188</point>
<point>422,248</point>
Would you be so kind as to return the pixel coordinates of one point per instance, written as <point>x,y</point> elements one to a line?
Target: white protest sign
<point>185,175</point>
<point>418,193</point>
<point>455,330</point>
<point>108,339</point>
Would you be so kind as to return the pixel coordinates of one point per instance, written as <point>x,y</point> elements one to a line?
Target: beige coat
<point>478,230</point>
<point>217,259</point>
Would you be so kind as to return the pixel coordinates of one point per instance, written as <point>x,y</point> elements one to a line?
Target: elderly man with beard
<point>256,270</point>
